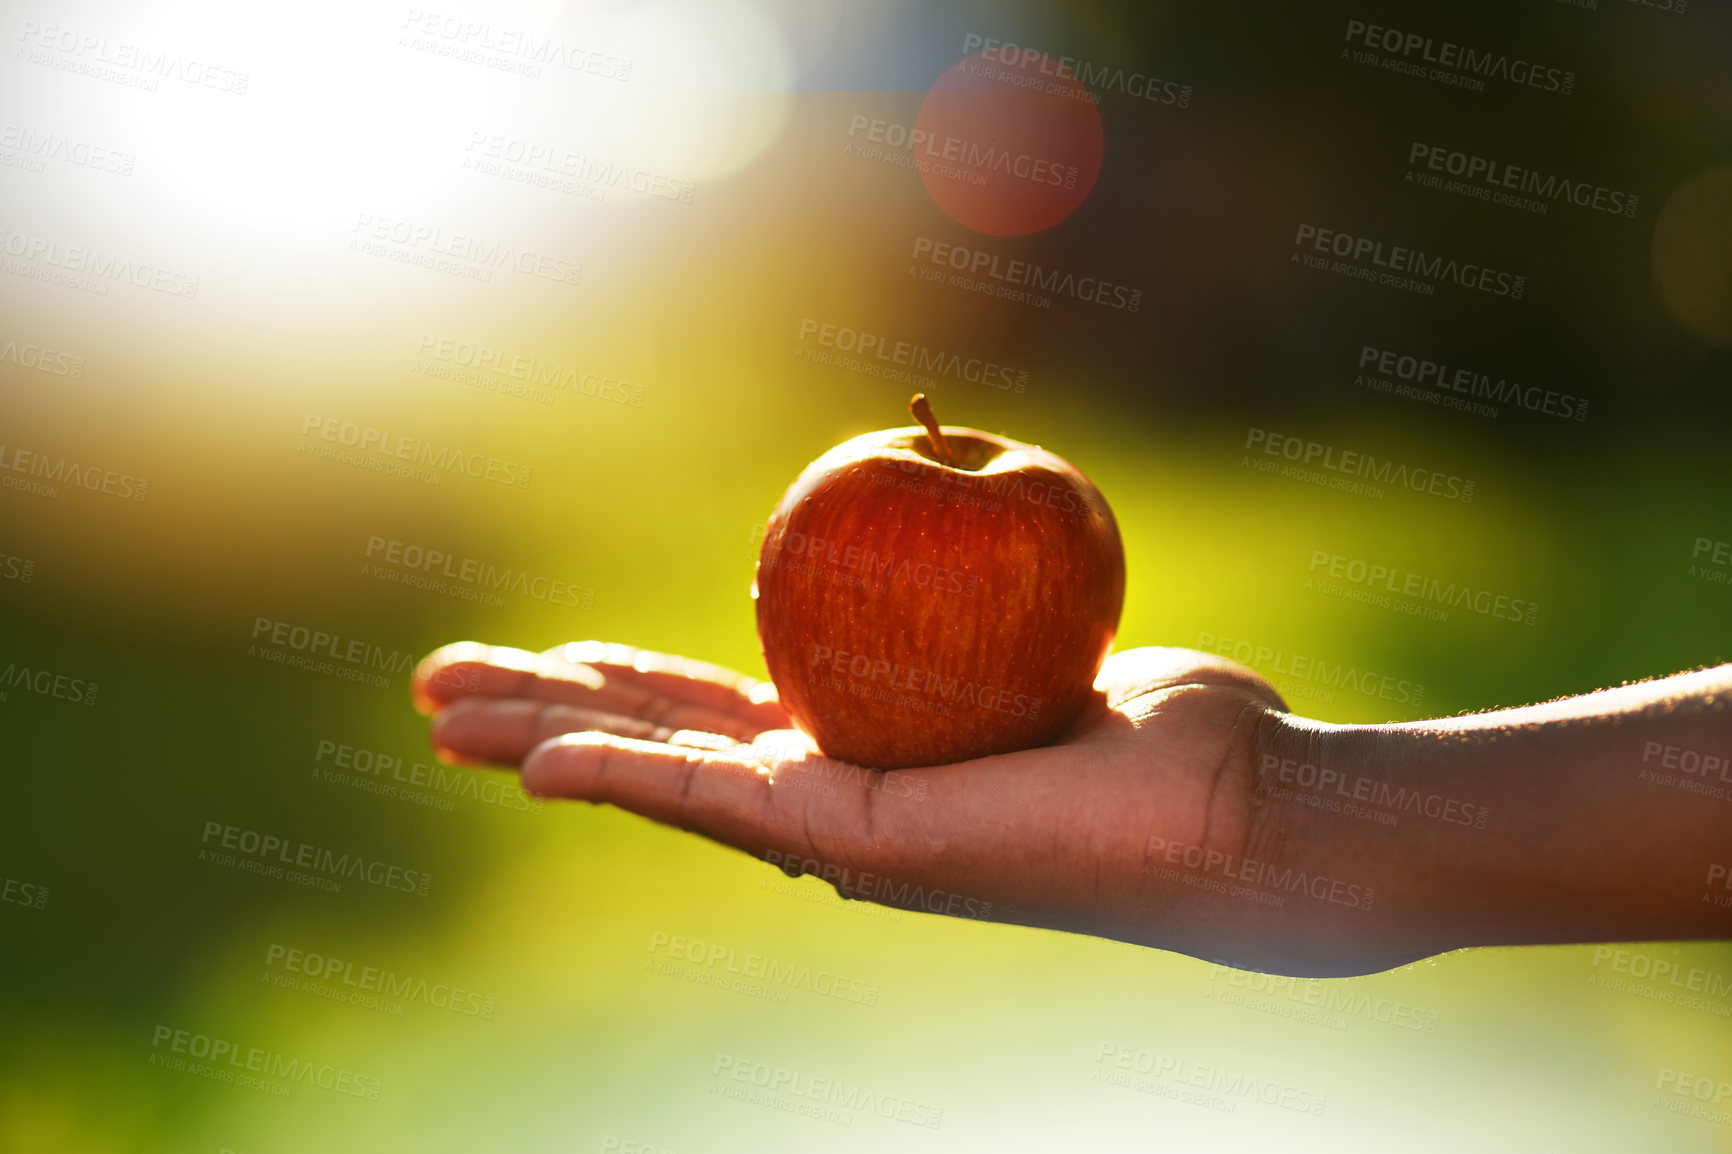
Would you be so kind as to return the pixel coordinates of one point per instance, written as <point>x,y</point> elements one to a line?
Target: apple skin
<point>918,613</point>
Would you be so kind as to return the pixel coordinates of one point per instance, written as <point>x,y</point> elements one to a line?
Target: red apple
<point>933,595</point>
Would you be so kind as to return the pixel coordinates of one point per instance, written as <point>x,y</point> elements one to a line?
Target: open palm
<point>1160,768</point>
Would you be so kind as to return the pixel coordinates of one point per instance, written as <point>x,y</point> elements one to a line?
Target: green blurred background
<point>371,142</point>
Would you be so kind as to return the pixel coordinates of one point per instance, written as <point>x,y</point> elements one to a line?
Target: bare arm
<point>1604,817</point>
<point>1186,809</point>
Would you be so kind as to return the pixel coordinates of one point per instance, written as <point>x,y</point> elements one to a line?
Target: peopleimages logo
<point>1451,63</point>
<point>125,62</point>
<point>505,49</point>
<point>19,569</point>
<point>1318,1001</point>
<point>1233,1086</point>
<point>1499,182</point>
<point>862,886</point>
<point>531,370</point>
<point>1097,77</point>
<point>1440,377</point>
<point>1329,674</point>
<point>1371,577</point>
<point>368,985</point>
<point>972,157</point>
<point>913,356</point>
<point>1020,279</point>
<point>106,268</point>
<point>55,471</point>
<point>230,1062</point>
<point>1200,863</point>
<point>47,683</point>
<point>15,891</point>
<point>768,971</point>
<point>1702,1095</point>
<point>877,571</point>
<point>41,358</point>
<point>1320,781</point>
<point>34,147</point>
<point>1648,967</point>
<point>1406,266</point>
<point>376,448</point>
<point>907,684</point>
<point>469,255</point>
<point>790,1090</point>
<point>1365,466</point>
<point>433,785</point>
<point>425,566</point>
<point>354,651</point>
<point>267,854</point>
<point>556,167</point>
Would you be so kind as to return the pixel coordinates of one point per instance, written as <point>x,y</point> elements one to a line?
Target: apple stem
<point>923,413</point>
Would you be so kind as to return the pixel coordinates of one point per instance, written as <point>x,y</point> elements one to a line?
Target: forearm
<point>1598,818</point>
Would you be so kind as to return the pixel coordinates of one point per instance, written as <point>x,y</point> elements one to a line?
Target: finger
<point>659,694</point>
<point>728,795</point>
<point>989,832</point>
<point>688,680</point>
<point>469,668</point>
<point>502,731</point>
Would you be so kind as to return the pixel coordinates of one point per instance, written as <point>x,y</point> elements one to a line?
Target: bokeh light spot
<point>1692,255</point>
<point>1008,142</point>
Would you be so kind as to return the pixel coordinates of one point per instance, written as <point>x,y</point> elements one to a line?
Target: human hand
<point>1160,767</point>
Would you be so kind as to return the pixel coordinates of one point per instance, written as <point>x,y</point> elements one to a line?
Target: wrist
<point>1338,817</point>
